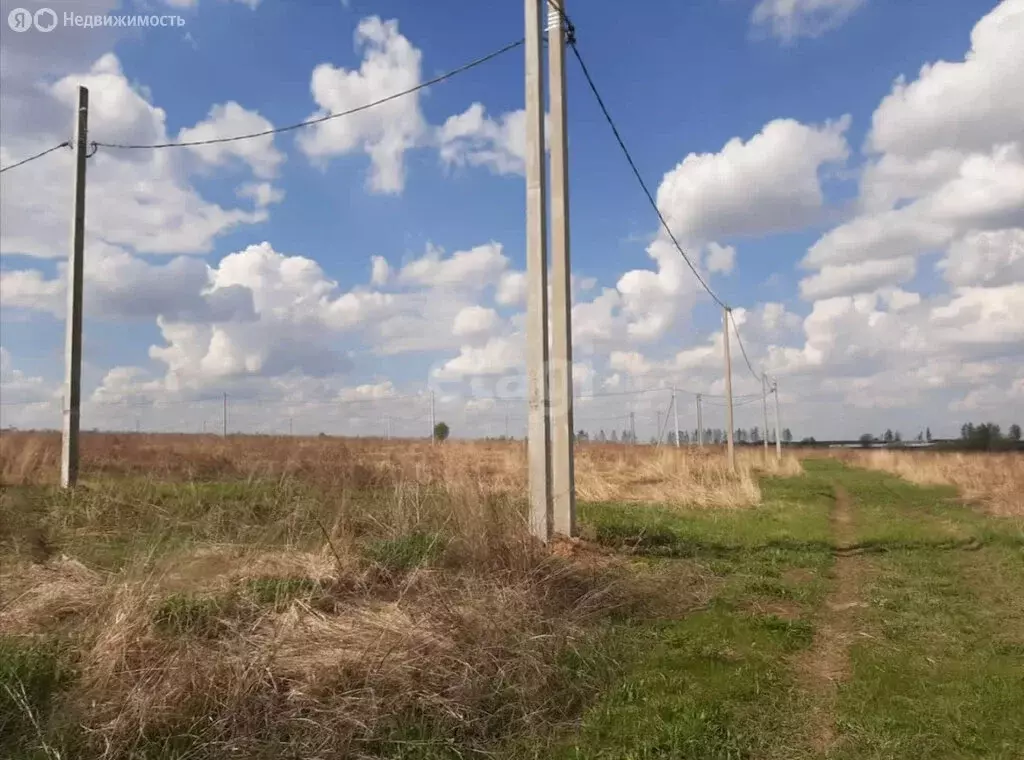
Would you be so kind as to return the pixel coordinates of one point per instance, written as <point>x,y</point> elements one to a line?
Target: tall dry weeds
<point>994,480</point>
<point>274,597</point>
<point>606,472</point>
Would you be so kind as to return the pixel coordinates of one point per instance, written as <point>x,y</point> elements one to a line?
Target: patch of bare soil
<point>827,663</point>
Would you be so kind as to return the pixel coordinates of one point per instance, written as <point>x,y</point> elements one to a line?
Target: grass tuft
<point>404,553</point>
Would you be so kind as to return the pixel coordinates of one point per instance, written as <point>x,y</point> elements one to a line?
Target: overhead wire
<point>743,350</point>
<point>636,171</point>
<point>64,144</point>
<point>572,43</point>
<point>326,117</point>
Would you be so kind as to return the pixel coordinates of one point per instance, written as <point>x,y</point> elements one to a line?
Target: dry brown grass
<point>604,472</point>
<point>266,597</point>
<point>339,669</point>
<point>995,481</point>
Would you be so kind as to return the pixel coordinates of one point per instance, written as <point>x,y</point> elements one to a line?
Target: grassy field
<point>308,598</point>
<point>995,481</point>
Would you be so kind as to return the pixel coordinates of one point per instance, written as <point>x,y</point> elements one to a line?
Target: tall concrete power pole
<point>72,412</point>
<point>675,416</point>
<point>563,483</point>
<point>538,426</point>
<point>778,440</point>
<point>700,423</point>
<point>764,409</point>
<point>433,421</point>
<point>728,389</point>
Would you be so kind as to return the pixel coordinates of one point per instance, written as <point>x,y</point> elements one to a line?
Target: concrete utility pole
<point>764,409</point>
<point>538,425</point>
<point>728,389</point>
<point>433,423</point>
<point>72,412</point>
<point>700,423</point>
<point>632,427</point>
<point>675,414</point>
<point>225,418</point>
<point>778,441</point>
<point>563,483</point>
<point>291,426</point>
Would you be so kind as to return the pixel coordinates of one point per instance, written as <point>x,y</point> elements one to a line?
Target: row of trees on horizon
<point>986,436</point>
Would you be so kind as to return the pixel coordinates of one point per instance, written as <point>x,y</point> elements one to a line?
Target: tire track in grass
<point>826,664</point>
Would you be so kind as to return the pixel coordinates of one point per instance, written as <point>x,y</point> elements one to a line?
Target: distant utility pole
<point>764,409</point>
<point>700,423</point>
<point>225,416</point>
<point>72,412</point>
<point>675,414</point>
<point>538,425</point>
<point>778,441</point>
<point>728,389</point>
<point>433,423</point>
<point>291,426</point>
<point>563,485</point>
<point>632,427</point>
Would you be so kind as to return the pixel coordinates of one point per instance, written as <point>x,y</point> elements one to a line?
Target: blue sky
<point>681,79</point>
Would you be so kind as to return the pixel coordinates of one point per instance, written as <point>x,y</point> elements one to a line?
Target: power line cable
<point>571,41</point>
<point>327,117</point>
<point>64,144</point>
<point>743,350</point>
<point>639,177</point>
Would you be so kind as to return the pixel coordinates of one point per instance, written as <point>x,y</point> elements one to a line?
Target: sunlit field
<point>324,597</point>
<point>199,598</point>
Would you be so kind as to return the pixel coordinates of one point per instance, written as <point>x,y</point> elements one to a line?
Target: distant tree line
<point>986,436</point>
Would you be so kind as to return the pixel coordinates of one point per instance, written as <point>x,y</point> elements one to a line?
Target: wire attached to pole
<point>64,144</point>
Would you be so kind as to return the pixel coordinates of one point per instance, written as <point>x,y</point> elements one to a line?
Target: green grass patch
<point>32,674</point>
<point>716,684</point>
<point>938,673</point>
<point>278,591</point>
<point>711,686</point>
<point>191,615</point>
<point>404,553</point>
